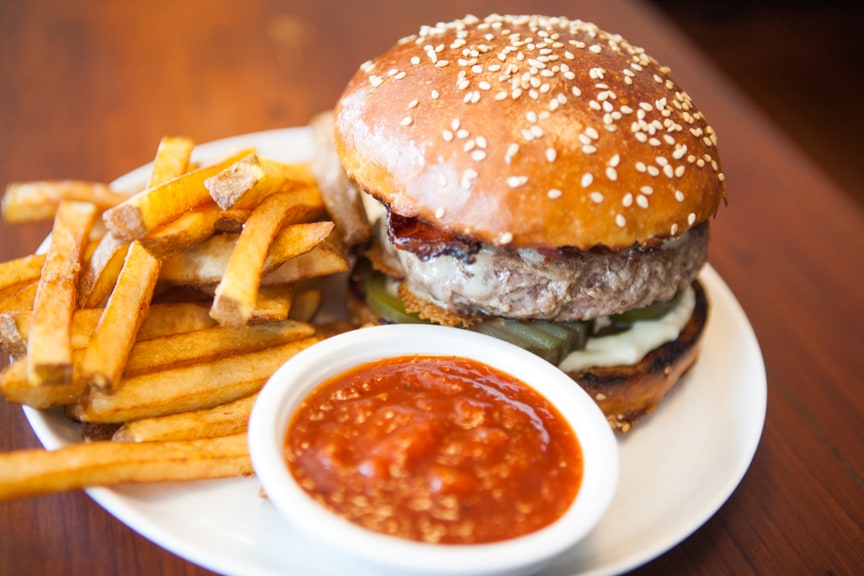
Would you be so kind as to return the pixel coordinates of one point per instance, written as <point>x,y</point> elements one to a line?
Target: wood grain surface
<point>88,88</point>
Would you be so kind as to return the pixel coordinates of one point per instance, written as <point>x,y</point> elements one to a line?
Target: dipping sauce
<point>437,449</point>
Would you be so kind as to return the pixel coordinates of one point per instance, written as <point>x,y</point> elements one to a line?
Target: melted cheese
<point>631,346</point>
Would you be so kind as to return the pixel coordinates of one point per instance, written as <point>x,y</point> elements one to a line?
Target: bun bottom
<point>625,393</point>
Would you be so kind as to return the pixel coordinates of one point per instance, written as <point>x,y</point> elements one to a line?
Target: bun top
<point>529,131</point>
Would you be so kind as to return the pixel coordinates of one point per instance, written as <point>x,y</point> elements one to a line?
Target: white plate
<point>678,466</point>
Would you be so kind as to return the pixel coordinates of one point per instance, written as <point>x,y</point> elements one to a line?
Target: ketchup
<point>435,449</point>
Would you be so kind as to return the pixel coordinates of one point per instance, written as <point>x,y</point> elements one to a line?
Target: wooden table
<point>89,88</point>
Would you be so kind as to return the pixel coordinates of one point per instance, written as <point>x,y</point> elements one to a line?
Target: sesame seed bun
<point>527,131</point>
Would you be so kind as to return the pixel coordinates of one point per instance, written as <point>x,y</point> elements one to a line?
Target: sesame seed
<point>691,218</point>
<point>462,133</point>
<point>447,135</point>
<point>506,238</point>
<point>478,155</point>
<point>620,220</point>
<point>596,197</point>
<point>615,160</point>
<point>550,154</point>
<point>434,95</point>
<point>611,173</point>
<point>439,212</point>
<point>647,190</point>
<point>642,201</point>
<point>516,181</point>
<point>627,201</point>
<point>406,121</point>
<point>587,180</point>
<point>468,178</point>
<point>376,81</point>
<point>553,193</point>
<point>679,196</point>
<point>589,149</point>
<point>413,103</point>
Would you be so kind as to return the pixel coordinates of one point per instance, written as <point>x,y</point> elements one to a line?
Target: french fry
<point>163,320</point>
<point>15,329</point>
<point>27,473</point>
<point>206,263</point>
<point>15,388</point>
<point>10,336</point>
<point>193,227</point>
<point>203,345</point>
<point>49,354</point>
<point>237,291</point>
<point>16,274</point>
<point>23,299</point>
<point>231,220</point>
<point>99,272</point>
<point>172,159</point>
<point>154,207</point>
<point>304,305</point>
<point>175,318</point>
<point>186,388</point>
<point>104,358</point>
<point>158,353</point>
<point>156,325</point>
<point>38,201</point>
<point>246,183</point>
<point>323,260</point>
<point>273,304</point>
<point>222,420</point>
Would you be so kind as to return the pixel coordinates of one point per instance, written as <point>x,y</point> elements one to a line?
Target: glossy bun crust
<point>527,131</point>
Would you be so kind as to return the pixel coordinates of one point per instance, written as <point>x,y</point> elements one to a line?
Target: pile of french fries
<point>154,319</point>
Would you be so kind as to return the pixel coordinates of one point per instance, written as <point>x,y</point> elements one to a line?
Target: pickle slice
<point>651,312</point>
<point>387,305</point>
<point>549,340</point>
<point>617,323</point>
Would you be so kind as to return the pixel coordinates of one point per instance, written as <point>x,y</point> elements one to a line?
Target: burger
<point>543,181</point>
